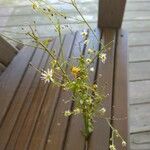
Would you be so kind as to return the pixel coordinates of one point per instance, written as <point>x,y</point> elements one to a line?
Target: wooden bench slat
<point>120,98</point>
<point>34,118</point>
<point>43,133</point>
<point>11,78</point>
<point>111,13</point>
<point>27,103</point>
<point>75,125</point>
<point>2,68</point>
<point>32,115</point>
<point>78,121</point>
<point>59,133</point>
<point>101,134</point>
<point>7,51</point>
<point>18,100</point>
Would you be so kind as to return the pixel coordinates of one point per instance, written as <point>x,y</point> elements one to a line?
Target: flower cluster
<point>87,97</point>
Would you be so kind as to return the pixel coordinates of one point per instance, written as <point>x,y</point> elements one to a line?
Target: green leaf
<point>47,41</point>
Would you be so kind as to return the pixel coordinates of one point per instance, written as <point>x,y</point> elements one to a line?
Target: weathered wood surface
<point>120,97</point>
<point>139,51</point>
<point>2,68</point>
<point>32,112</point>
<point>138,121</point>
<point>139,71</point>
<point>139,92</point>
<point>137,26</point>
<point>110,13</point>
<point>7,51</point>
<point>139,54</point>
<point>138,6</point>
<point>11,78</point>
<point>140,141</point>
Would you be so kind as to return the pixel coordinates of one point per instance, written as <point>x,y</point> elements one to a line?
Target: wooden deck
<point>137,23</point>
<point>32,113</point>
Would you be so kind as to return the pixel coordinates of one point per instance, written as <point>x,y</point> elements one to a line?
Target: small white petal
<point>92,69</point>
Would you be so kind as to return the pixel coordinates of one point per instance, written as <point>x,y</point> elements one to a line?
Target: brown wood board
<point>34,118</point>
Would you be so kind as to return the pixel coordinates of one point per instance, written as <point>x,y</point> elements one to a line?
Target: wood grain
<point>11,78</point>
<point>139,92</point>
<point>139,71</point>
<point>111,13</point>
<point>50,129</point>
<point>101,133</point>
<point>34,119</point>
<point>120,95</point>
<point>18,101</point>
<point>7,51</point>
<point>2,68</point>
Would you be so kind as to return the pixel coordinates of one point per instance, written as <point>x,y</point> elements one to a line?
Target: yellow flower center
<point>75,71</point>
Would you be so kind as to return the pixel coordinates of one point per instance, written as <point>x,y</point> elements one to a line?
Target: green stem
<point>100,52</point>
<point>51,55</point>
<point>86,131</point>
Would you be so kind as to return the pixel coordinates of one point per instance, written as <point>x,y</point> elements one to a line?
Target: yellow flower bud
<point>75,71</point>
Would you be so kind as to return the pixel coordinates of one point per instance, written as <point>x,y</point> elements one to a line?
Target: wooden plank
<point>139,53</point>
<point>136,15</point>
<point>75,124</point>
<point>7,51</point>
<point>120,98</point>
<point>139,39</point>
<point>8,81</point>
<point>2,68</point>
<point>140,129</point>
<point>43,30</point>
<point>27,104</point>
<point>19,100</point>
<point>66,8</point>
<point>13,3</point>
<point>133,1</point>
<point>3,22</point>
<point>24,3</point>
<point>6,11</point>
<point>140,141</point>
<point>29,124</point>
<point>139,71</point>
<point>137,25</point>
<point>101,134</point>
<point>77,120</point>
<point>139,117</point>
<point>139,92</point>
<point>111,13</point>
<point>138,6</point>
<point>28,20</point>
<point>51,119</point>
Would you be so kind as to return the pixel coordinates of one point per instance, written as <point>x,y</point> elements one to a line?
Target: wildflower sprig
<point>88,100</point>
<point>115,134</point>
<point>75,77</point>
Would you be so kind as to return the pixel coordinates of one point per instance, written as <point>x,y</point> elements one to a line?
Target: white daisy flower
<point>102,111</point>
<point>47,75</point>
<point>124,143</point>
<point>112,147</point>
<point>84,34</point>
<point>86,42</point>
<point>90,51</point>
<point>67,113</point>
<point>92,69</point>
<point>88,60</point>
<point>103,57</point>
<point>76,111</point>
